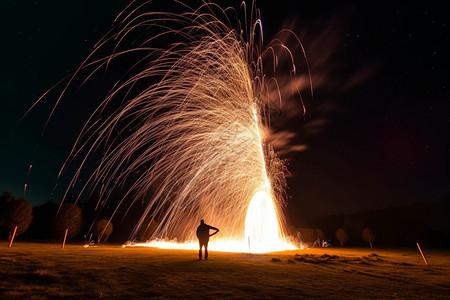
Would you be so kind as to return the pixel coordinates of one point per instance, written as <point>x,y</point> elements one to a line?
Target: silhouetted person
<point>203,237</point>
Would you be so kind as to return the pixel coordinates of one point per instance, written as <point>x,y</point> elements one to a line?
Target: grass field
<point>31,270</point>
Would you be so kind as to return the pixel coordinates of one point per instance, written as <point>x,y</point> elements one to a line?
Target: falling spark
<point>26,184</point>
<point>188,138</point>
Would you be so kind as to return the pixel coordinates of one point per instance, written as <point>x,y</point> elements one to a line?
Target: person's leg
<point>200,250</point>
<point>206,250</point>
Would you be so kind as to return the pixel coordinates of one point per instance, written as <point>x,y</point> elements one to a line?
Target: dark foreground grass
<point>31,270</point>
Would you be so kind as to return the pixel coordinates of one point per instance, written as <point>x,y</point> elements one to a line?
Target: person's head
<point>202,221</point>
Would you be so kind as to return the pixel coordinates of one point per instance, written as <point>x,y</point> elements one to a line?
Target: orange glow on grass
<point>262,232</point>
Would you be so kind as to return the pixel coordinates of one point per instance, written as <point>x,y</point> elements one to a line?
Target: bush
<point>342,236</point>
<point>103,229</point>
<point>17,212</point>
<point>69,217</point>
<point>368,236</point>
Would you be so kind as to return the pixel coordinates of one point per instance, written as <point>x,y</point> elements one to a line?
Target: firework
<point>189,135</point>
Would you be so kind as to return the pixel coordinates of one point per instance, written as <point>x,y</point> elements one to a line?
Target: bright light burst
<point>187,138</point>
<point>261,223</point>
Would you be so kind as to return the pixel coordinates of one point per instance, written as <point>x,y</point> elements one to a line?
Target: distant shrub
<point>342,236</point>
<point>102,229</point>
<point>69,217</point>
<point>368,236</point>
<point>17,212</point>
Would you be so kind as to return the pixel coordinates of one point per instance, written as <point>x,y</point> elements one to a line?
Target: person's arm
<point>213,228</point>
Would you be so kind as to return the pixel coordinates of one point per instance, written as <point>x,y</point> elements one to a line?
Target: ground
<point>32,270</point>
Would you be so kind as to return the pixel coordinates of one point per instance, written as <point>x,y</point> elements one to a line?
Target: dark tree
<point>342,236</point>
<point>18,212</point>
<point>69,217</point>
<point>368,236</point>
<point>103,229</point>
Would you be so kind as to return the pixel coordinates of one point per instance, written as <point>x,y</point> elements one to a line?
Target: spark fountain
<point>188,138</point>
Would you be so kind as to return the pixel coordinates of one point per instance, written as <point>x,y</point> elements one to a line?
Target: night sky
<point>377,129</point>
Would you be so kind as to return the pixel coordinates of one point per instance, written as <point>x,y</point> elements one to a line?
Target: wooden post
<point>64,240</point>
<point>12,237</point>
<point>423,256</point>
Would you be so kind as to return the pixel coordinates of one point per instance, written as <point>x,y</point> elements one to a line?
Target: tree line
<point>48,221</point>
<point>316,237</point>
<point>426,223</point>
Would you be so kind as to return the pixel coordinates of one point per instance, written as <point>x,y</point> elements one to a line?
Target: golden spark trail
<point>186,139</point>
